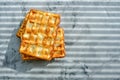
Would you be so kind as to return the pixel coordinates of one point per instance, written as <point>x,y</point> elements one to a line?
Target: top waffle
<point>41,26</point>
<point>39,18</point>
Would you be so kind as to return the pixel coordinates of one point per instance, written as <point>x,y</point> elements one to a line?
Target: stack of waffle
<point>41,37</point>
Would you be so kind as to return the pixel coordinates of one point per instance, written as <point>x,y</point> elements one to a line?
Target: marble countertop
<point>92,38</point>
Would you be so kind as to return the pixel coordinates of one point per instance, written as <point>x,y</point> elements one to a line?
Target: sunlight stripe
<point>98,76</point>
<point>84,17</point>
<point>2,52</point>
<point>59,69</point>
<point>102,53</point>
<point>88,64</point>
<point>64,1</point>
<point>60,6</point>
<point>78,70</point>
<point>99,47</point>
<point>23,75</point>
<point>88,34</point>
<point>6,29</point>
<point>3,46</point>
<point>71,23</point>
<point>58,75</point>
<point>91,29</point>
<point>106,41</point>
<point>5,34</point>
<point>108,23</point>
<point>65,12</point>
<point>4,40</point>
<point>64,17</point>
<point>100,59</point>
<point>75,53</point>
<point>104,76</point>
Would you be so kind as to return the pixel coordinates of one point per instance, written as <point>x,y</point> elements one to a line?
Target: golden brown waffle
<point>59,49</point>
<point>36,51</point>
<point>40,17</point>
<point>38,35</point>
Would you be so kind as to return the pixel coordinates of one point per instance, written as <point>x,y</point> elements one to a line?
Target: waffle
<point>37,51</point>
<point>59,49</point>
<point>41,38</point>
<point>40,17</point>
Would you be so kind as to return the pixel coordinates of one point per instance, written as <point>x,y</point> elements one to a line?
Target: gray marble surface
<point>92,38</point>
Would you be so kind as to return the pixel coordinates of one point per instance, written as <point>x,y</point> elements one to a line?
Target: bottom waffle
<point>37,51</point>
<point>58,49</point>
